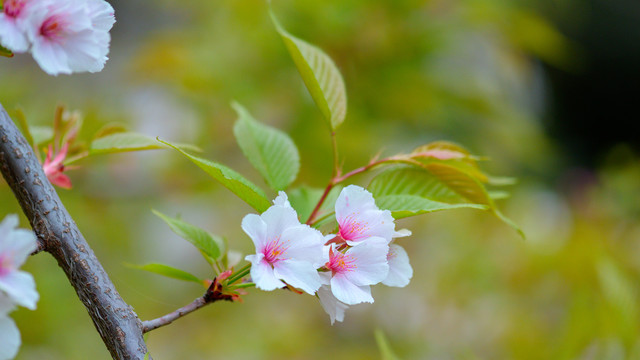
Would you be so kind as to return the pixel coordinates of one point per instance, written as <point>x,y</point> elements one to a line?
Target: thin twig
<point>172,316</point>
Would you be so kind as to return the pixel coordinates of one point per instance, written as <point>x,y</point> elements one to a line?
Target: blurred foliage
<point>415,71</point>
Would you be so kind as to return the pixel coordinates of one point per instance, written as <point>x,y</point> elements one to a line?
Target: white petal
<point>303,243</point>
<point>400,271</point>
<point>9,338</point>
<point>11,35</point>
<point>371,262</point>
<point>299,274</point>
<point>402,233</point>
<point>278,219</point>
<point>282,200</point>
<point>348,293</point>
<point>21,288</point>
<point>253,226</point>
<point>262,273</point>
<point>101,14</point>
<point>18,246</point>
<point>331,305</point>
<point>86,51</point>
<point>6,304</point>
<point>51,57</point>
<point>9,223</point>
<point>359,217</point>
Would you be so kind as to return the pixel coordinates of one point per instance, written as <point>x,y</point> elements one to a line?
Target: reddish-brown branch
<point>337,179</point>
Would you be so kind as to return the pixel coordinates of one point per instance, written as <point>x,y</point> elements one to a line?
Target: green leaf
<point>168,271</point>
<point>109,129</point>
<point>270,151</point>
<point>128,141</point>
<point>383,345</point>
<point>243,188</point>
<point>320,75</point>
<point>210,245</point>
<point>5,52</point>
<point>412,190</point>
<point>404,180</point>
<point>23,124</point>
<point>461,182</point>
<point>449,153</point>
<point>402,206</point>
<point>41,134</point>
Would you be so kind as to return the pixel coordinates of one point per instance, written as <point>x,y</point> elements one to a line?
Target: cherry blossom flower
<point>54,168</point>
<point>15,246</point>
<point>70,35</point>
<point>400,271</point>
<point>359,218</point>
<point>287,251</point>
<point>12,22</point>
<point>331,305</point>
<point>355,269</point>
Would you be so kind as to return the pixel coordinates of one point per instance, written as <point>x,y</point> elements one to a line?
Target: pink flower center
<point>352,229</point>
<point>340,263</point>
<point>52,28</point>
<point>274,250</point>
<point>12,8</point>
<point>5,265</point>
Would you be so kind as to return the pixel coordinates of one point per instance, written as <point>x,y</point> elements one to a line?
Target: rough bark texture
<point>115,320</point>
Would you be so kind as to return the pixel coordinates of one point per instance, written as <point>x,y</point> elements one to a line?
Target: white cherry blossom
<point>287,251</point>
<point>70,35</point>
<point>355,269</point>
<point>12,24</point>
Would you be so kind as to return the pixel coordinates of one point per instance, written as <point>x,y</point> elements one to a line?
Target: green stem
<point>241,286</point>
<point>239,274</point>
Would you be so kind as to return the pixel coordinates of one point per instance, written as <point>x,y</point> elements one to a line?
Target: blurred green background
<point>543,88</point>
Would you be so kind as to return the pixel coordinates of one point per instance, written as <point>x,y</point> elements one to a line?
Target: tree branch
<point>214,293</point>
<point>172,316</point>
<point>115,320</point>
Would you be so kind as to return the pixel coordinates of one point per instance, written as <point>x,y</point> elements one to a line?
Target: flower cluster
<point>16,287</point>
<point>64,36</point>
<point>339,268</point>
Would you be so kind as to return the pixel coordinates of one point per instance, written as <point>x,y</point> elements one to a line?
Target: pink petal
<point>61,180</point>
<point>400,271</point>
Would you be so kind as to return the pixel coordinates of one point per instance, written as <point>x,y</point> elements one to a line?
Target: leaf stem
<point>334,146</point>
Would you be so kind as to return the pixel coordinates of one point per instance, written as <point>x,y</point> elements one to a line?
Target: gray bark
<point>57,233</point>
